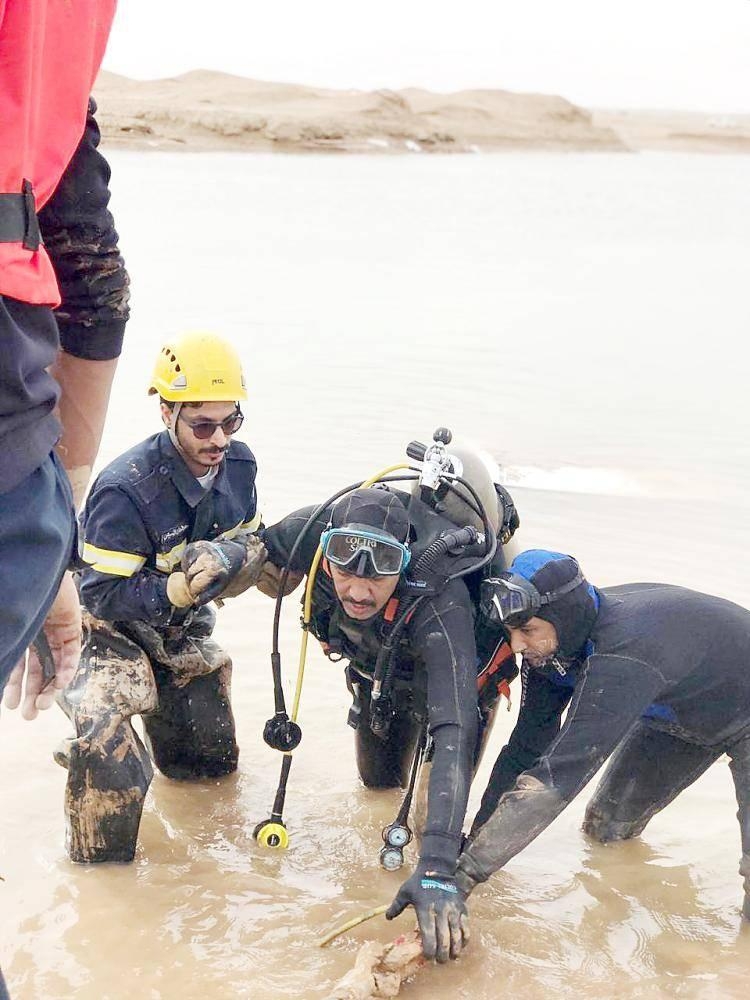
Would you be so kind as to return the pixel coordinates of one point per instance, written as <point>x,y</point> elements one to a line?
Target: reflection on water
<point>541,305</point>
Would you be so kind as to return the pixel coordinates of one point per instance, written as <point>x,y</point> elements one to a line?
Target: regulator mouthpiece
<point>280,733</point>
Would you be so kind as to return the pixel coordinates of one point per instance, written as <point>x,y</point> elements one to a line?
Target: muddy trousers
<point>183,697</point>
<point>648,770</point>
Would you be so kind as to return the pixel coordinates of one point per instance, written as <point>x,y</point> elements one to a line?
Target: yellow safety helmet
<point>198,368</point>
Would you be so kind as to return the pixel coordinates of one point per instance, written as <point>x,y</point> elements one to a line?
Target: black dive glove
<point>441,912</point>
<point>209,566</point>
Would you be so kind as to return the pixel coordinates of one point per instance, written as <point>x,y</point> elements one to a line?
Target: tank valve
<point>436,462</point>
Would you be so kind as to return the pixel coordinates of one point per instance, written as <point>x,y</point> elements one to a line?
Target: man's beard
<point>553,661</point>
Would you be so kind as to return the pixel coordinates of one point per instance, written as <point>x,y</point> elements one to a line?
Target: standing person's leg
<point>739,764</point>
<point>647,771</point>
<point>37,529</point>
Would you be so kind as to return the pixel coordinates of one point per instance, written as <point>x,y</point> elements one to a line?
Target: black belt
<point>18,220</point>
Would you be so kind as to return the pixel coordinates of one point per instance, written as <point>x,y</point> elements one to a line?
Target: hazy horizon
<point>672,56</point>
<point>313,86</point>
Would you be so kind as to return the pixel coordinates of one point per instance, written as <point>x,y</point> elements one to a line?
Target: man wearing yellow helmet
<point>169,526</point>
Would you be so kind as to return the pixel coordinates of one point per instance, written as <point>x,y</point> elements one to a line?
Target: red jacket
<point>50,53</point>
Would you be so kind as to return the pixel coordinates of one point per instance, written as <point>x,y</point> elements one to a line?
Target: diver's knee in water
<point>602,826</point>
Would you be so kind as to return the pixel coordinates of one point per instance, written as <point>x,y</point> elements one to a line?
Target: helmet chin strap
<point>172,427</point>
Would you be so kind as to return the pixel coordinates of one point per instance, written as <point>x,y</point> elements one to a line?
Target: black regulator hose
<point>450,541</point>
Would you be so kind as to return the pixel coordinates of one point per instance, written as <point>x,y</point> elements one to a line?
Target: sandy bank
<point>678,131</point>
<point>205,110</point>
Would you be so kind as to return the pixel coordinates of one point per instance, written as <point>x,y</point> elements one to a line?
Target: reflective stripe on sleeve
<point>114,563</point>
<point>166,561</point>
<point>252,525</point>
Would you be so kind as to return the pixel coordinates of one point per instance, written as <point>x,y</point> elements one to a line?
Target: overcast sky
<point>608,53</point>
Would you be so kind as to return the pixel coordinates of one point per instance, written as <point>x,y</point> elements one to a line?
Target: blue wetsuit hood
<point>573,614</point>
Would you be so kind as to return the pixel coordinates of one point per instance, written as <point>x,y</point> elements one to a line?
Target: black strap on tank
<point>18,219</point>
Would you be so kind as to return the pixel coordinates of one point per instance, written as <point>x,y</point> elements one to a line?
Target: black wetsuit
<point>666,676</point>
<point>436,681</point>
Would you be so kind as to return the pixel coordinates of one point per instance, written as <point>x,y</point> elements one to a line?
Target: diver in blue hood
<point>655,675</point>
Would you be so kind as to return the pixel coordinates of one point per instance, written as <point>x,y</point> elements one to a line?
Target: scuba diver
<point>387,599</point>
<point>656,674</point>
<point>169,526</point>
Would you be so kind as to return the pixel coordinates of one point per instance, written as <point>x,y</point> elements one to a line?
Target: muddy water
<point>586,319</point>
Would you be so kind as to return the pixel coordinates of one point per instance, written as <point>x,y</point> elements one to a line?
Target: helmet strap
<point>172,428</point>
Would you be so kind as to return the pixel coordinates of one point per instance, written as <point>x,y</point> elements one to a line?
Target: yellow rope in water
<point>342,928</point>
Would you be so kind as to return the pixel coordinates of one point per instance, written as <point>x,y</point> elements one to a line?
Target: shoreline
<point>204,111</point>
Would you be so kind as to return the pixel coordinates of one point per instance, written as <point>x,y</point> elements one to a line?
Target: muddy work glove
<point>209,566</point>
<point>441,912</point>
<point>252,567</point>
<point>178,592</point>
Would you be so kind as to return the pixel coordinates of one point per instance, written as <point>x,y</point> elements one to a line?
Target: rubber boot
<point>109,769</point>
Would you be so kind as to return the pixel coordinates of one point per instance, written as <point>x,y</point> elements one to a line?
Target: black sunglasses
<point>204,429</point>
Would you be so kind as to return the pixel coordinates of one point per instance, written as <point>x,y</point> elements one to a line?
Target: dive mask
<point>511,600</point>
<point>364,551</point>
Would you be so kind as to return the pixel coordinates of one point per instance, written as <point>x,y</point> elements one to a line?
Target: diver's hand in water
<point>441,912</point>
<point>62,627</point>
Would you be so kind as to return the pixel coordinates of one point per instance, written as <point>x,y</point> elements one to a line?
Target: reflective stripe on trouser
<point>186,713</point>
